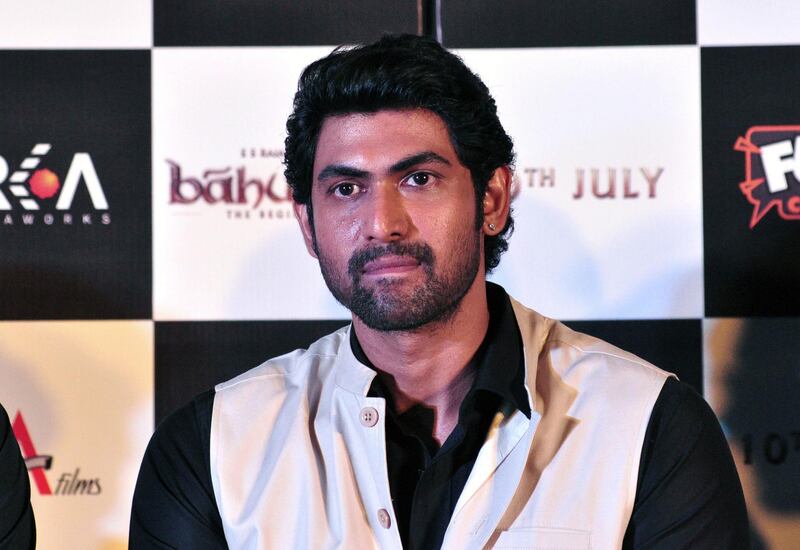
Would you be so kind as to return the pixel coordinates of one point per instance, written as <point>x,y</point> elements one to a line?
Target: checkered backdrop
<point>148,249</point>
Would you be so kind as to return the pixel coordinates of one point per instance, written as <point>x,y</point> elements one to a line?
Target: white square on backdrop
<point>49,24</point>
<point>628,115</point>
<point>219,123</point>
<point>744,22</point>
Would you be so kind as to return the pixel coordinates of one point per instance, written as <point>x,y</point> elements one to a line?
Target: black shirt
<point>17,526</point>
<point>425,481</point>
<point>688,492</point>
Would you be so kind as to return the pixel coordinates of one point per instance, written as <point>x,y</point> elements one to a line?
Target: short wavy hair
<point>401,72</point>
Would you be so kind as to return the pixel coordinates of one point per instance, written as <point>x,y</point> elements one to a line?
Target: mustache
<point>421,252</point>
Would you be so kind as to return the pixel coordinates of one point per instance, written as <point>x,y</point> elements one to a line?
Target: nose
<point>388,218</point>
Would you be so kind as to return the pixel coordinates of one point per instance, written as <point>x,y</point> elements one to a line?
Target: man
<point>17,524</point>
<point>447,414</point>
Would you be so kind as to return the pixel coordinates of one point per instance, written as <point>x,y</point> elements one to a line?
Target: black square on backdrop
<point>675,345</point>
<point>751,269</point>
<point>522,23</point>
<point>75,220</point>
<point>193,356</point>
<point>279,22</point>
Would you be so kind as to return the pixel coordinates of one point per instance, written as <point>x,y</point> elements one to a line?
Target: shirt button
<point>384,518</point>
<point>368,417</point>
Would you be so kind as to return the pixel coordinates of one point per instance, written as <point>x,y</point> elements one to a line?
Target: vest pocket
<point>543,538</point>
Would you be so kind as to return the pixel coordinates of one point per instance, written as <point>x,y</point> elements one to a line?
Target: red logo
<point>771,171</point>
<point>44,183</point>
<point>35,462</point>
<point>69,483</point>
<point>32,193</point>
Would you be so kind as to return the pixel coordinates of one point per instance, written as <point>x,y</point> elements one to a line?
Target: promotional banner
<point>149,248</point>
<point>80,398</point>
<point>752,367</point>
<point>75,185</point>
<point>608,207</point>
<point>751,181</point>
<point>226,244</point>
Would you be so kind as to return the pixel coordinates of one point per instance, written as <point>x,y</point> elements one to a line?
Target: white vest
<point>298,457</point>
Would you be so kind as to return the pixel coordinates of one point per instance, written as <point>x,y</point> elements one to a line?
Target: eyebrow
<point>419,158</point>
<point>339,170</point>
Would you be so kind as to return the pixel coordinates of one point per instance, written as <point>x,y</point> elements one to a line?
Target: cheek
<point>350,229</point>
<point>343,231</point>
<point>331,224</point>
<point>447,233</point>
<point>335,234</point>
<point>461,216</point>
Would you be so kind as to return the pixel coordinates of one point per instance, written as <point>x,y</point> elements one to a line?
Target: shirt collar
<point>500,362</point>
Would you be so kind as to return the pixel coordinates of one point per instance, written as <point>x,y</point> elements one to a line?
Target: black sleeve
<point>174,504</point>
<point>688,494</point>
<point>17,526</point>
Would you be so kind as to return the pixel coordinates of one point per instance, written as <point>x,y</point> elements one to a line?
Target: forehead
<point>383,137</point>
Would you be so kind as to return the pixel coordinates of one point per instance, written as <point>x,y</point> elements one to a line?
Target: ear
<point>301,213</point>
<point>497,201</point>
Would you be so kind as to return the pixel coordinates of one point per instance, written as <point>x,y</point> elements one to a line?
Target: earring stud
<point>492,227</point>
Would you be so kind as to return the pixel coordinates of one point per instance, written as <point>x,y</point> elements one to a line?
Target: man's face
<point>394,218</point>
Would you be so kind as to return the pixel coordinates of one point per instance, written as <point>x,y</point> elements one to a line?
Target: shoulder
<point>174,499</point>
<point>582,359</point>
<point>682,424</point>
<point>289,371</point>
<point>591,381</point>
<point>680,405</point>
<point>686,465</point>
<point>186,428</point>
<point>586,354</point>
<point>278,393</point>
<point>177,454</point>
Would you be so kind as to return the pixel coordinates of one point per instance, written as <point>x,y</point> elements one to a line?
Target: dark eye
<point>420,178</point>
<point>345,189</point>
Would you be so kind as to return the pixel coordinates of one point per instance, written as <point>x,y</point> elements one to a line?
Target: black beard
<point>381,308</point>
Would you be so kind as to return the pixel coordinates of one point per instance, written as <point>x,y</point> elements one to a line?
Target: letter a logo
<point>82,167</point>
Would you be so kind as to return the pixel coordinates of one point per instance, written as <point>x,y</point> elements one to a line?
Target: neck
<point>431,366</point>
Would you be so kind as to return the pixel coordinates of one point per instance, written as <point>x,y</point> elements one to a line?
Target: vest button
<point>384,518</point>
<point>368,417</point>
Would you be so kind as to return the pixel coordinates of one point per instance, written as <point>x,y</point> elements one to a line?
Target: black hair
<point>401,72</point>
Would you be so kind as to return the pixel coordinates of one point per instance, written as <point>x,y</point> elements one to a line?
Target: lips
<point>389,265</point>
<point>389,259</point>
